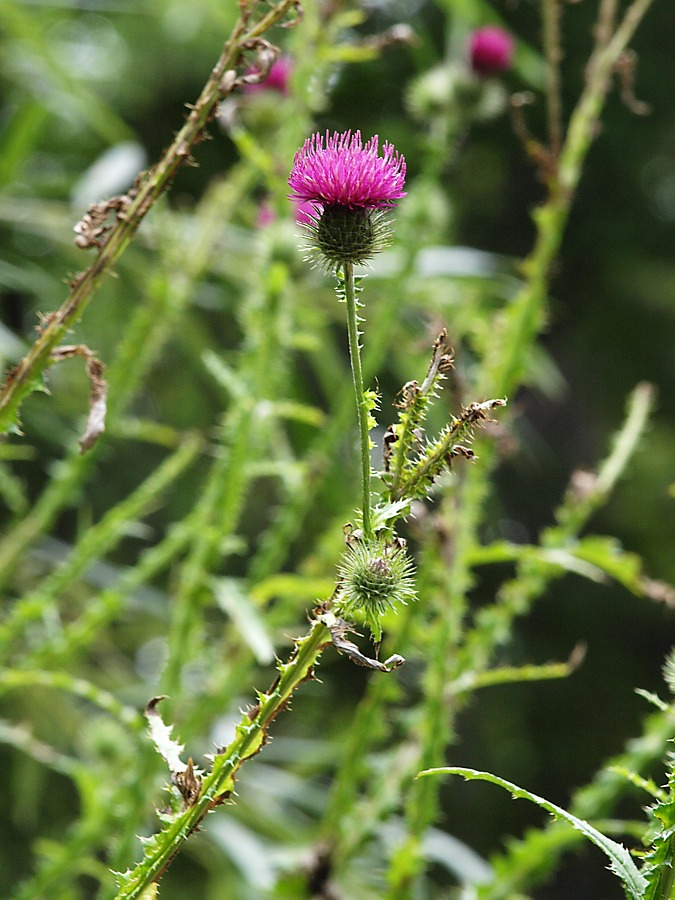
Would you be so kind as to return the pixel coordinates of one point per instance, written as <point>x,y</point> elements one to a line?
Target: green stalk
<point>281,534</point>
<point>505,367</point>
<point>362,405</point>
<point>93,544</point>
<point>222,80</point>
<point>218,786</point>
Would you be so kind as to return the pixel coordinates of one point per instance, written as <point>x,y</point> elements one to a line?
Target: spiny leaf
<point>403,438</point>
<point>620,860</point>
<point>419,474</point>
<point>385,515</point>
<point>160,733</point>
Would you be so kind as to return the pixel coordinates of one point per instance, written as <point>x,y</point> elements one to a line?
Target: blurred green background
<point>78,79</point>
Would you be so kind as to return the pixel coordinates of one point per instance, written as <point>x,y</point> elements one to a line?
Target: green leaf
<point>386,514</point>
<point>299,412</point>
<point>304,588</point>
<point>620,860</point>
<point>232,598</point>
<point>606,553</point>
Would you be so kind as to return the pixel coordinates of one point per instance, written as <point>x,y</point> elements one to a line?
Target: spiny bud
<point>340,235</point>
<point>375,576</point>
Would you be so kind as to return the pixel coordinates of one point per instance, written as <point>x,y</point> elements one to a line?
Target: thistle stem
<point>361,400</point>
<point>219,784</point>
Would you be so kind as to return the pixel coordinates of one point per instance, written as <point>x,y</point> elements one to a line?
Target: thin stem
<point>578,509</point>
<point>509,351</point>
<point>219,784</point>
<point>153,184</point>
<point>92,545</point>
<point>276,543</point>
<point>605,23</point>
<point>552,49</point>
<point>361,400</point>
<point>582,126</point>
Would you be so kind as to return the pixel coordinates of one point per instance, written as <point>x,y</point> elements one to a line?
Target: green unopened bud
<point>375,576</point>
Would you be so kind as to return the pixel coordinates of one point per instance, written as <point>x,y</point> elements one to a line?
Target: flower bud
<point>490,51</point>
<point>276,80</point>
<point>375,576</point>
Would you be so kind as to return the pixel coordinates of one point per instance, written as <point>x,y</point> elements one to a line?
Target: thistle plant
<point>240,477</point>
<point>352,189</point>
<point>350,186</point>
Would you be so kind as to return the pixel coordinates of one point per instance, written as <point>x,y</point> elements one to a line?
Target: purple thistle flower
<point>340,171</point>
<point>348,187</point>
<point>490,50</point>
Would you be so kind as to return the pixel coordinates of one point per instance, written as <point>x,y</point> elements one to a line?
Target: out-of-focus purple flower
<point>277,79</point>
<point>490,51</point>
<point>306,212</point>
<point>339,170</point>
<point>266,215</point>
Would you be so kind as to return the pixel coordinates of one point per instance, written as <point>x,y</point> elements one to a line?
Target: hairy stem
<point>217,787</point>
<point>152,185</point>
<point>553,51</point>
<point>361,400</point>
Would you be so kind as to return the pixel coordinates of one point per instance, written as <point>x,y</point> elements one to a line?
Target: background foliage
<point>230,440</point>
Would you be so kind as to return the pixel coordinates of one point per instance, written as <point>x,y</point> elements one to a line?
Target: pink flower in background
<point>305,212</point>
<point>339,170</point>
<point>266,214</point>
<point>490,50</point>
<point>277,80</point>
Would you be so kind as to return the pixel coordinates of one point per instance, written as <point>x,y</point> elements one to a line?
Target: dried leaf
<point>189,783</point>
<point>95,224</point>
<point>98,398</point>
<point>338,630</point>
<point>183,775</point>
<point>160,734</point>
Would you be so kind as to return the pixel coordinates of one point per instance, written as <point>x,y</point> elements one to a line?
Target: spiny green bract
<point>341,235</point>
<point>375,575</point>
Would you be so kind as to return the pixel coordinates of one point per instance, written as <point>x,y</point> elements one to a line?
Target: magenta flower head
<point>350,187</point>
<point>490,51</point>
